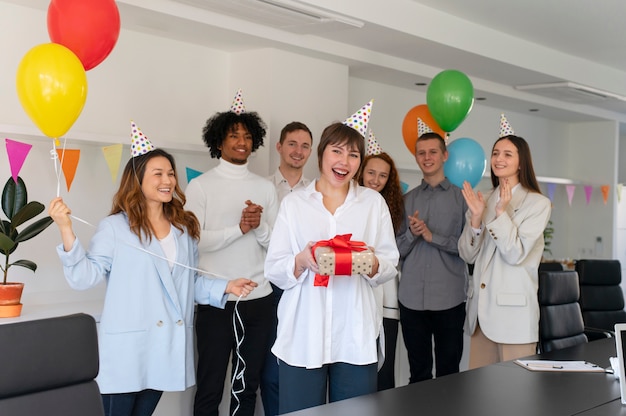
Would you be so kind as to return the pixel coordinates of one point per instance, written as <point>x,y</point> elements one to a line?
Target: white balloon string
<point>157,255</point>
<point>240,366</point>
<point>55,157</point>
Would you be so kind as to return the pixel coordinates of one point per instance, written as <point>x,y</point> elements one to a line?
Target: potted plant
<point>18,211</point>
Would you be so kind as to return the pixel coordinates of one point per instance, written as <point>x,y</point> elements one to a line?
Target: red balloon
<point>89,28</point>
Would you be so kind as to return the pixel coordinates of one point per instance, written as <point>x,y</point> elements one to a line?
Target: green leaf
<point>33,229</point>
<point>6,244</point>
<point>25,263</point>
<point>28,212</point>
<point>14,197</point>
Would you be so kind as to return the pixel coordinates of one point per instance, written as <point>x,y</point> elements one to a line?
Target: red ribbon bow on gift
<point>343,248</point>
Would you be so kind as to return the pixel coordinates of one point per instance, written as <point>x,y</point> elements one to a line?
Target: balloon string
<point>55,157</point>
<point>157,255</point>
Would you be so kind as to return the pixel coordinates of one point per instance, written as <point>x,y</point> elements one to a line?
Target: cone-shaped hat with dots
<point>139,144</point>
<point>358,121</point>
<point>422,128</point>
<point>505,127</point>
<point>373,148</point>
<point>238,107</point>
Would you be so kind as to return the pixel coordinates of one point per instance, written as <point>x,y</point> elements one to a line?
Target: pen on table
<point>557,367</point>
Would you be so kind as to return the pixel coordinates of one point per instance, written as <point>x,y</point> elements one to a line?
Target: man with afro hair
<point>236,209</point>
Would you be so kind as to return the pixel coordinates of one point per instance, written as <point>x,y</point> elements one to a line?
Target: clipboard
<point>560,366</point>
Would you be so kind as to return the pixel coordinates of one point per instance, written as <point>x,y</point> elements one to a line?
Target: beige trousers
<point>484,351</point>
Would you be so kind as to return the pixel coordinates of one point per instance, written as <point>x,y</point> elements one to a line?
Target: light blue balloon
<point>466,162</point>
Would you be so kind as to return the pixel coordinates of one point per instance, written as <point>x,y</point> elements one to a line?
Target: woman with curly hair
<point>380,174</point>
<point>147,252</point>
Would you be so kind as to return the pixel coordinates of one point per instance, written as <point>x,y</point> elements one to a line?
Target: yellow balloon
<point>52,87</point>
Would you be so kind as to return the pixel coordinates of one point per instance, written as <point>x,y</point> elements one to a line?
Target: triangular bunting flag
<point>551,189</point>
<point>605,193</point>
<point>69,162</point>
<point>570,193</point>
<point>17,152</point>
<point>113,157</point>
<point>192,173</point>
<point>404,186</point>
<point>588,192</point>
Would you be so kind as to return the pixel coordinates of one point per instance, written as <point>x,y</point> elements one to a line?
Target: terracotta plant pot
<point>10,297</point>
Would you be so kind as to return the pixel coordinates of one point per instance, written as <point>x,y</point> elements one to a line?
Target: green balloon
<point>450,97</point>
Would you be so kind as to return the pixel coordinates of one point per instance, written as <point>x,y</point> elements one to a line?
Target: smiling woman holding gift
<point>328,325</point>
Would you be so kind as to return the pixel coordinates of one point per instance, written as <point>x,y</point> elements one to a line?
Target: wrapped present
<point>341,256</point>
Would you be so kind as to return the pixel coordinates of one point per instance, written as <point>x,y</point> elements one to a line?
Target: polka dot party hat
<point>505,127</point>
<point>422,128</point>
<point>139,144</point>
<point>358,121</point>
<point>238,107</point>
<point>373,148</point>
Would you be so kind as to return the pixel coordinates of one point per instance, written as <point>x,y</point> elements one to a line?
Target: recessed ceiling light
<point>420,84</point>
<point>533,110</point>
<point>480,99</point>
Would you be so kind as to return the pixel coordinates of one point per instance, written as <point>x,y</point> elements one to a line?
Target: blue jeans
<point>141,403</point>
<point>301,388</point>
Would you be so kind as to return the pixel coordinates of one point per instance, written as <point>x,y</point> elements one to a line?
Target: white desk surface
<point>41,311</point>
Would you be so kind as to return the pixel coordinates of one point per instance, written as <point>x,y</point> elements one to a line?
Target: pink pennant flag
<point>588,192</point>
<point>570,193</point>
<point>551,189</point>
<point>17,152</point>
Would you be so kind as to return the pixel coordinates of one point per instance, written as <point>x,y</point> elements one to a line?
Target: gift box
<point>341,256</point>
<point>331,261</point>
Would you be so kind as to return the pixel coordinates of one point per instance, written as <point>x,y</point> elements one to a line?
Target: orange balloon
<point>409,125</point>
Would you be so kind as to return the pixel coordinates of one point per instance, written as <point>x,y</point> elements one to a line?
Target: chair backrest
<point>560,320</point>
<point>550,266</point>
<point>601,296</point>
<point>49,366</point>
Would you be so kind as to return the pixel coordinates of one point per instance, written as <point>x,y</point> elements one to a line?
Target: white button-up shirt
<point>340,323</point>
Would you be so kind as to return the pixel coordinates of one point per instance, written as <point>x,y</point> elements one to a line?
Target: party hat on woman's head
<point>358,121</point>
<point>139,144</point>
<point>422,128</point>
<point>505,127</point>
<point>238,106</point>
<point>373,148</point>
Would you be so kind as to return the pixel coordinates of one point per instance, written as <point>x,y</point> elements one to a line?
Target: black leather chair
<point>560,319</point>
<point>48,367</point>
<point>601,296</point>
<point>550,266</point>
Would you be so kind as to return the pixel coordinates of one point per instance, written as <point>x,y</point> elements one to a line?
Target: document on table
<point>547,365</point>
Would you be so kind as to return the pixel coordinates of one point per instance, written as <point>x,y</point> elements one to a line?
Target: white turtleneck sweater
<point>218,197</point>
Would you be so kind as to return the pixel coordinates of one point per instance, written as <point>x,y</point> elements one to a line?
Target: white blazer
<point>502,293</point>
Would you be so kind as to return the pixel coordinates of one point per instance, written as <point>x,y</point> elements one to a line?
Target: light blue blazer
<point>502,293</point>
<point>145,334</point>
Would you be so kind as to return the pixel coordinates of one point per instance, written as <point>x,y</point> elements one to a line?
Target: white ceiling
<point>499,44</point>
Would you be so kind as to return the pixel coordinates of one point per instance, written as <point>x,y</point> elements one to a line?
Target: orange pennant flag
<point>605,193</point>
<point>69,163</point>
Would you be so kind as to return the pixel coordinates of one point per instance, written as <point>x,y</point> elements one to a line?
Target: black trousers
<point>387,374</point>
<point>215,339</point>
<point>419,328</point>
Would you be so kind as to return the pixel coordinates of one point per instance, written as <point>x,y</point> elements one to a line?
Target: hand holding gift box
<point>340,256</point>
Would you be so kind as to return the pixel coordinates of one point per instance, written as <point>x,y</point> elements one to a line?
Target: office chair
<point>560,319</point>
<point>49,367</point>
<point>550,266</point>
<point>601,296</point>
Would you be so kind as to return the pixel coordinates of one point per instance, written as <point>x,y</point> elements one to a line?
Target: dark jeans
<point>387,374</point>
<point>301,388</point>
<point>216,341</point>
<point>420,327</point>
<point>141,403</point>
<point>269,374</point>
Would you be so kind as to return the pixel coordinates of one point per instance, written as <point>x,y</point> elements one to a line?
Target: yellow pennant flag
<point>69,163</point>
<point>113,156</point>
